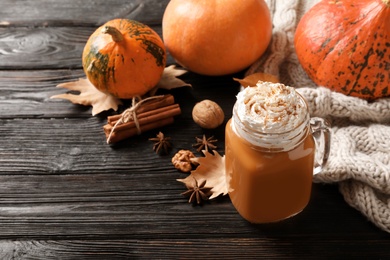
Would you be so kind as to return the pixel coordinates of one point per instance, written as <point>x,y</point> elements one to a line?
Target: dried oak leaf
<point>252,79</point>
<point>212,170</point>
<point>89,96</point>
<point>169,79</point>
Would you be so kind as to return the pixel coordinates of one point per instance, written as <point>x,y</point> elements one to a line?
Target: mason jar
<point>272,154</point>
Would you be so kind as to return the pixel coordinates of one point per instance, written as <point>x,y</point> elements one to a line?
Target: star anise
<point>205,143</point>
<point>197,192</point>
<point>162,144</point>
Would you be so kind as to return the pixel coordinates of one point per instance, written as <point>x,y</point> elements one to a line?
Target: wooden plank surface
<point>177,249</point>
<point>46,47</point>
<point>76,13</point>
<point>66,194</point>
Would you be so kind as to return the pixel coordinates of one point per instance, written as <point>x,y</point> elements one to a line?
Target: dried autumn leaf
<point>211,169</point>
<point>252,79</point>
<point>89,96</point>
<point>169,80</point>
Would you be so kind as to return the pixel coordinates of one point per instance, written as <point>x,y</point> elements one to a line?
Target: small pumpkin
<point>124,58</point>
<point>213,37</point>
<point>345,46</point>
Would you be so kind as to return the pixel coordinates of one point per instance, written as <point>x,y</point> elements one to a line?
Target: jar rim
<point>273,141</point>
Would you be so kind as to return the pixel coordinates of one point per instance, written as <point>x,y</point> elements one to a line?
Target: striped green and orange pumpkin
<point>345,46</point>
<point>124,58</point>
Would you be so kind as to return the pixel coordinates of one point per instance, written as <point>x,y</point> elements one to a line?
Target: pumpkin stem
<point>386,2</point>
<point>114,32</point>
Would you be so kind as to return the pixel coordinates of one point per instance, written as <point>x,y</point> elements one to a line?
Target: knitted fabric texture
<point>359,159</point>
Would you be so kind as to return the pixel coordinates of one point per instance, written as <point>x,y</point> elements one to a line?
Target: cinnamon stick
<point>152,114</point>
<point>143,119</point>
<point>165,100</point>
<point>117,136</point>
<point>144,115</point>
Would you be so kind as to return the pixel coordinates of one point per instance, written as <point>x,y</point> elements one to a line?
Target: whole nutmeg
<point>208,114</point>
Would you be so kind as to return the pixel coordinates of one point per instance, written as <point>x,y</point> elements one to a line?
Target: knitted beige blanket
<point>359,160</point>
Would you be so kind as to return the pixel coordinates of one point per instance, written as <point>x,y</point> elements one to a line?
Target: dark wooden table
<point>66,194</point>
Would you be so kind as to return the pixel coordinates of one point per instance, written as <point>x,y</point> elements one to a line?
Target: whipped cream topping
<point>271,107</point>
<point>275,111</point>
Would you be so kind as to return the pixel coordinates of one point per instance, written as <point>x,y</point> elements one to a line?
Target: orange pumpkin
<point>124,58</point>
<point>345,46</point>
<point>214,37</point>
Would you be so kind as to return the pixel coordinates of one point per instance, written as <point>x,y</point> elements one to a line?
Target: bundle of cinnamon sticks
<point>154,113</point>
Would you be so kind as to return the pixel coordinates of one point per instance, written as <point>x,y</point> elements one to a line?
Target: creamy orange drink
<point>269,153</point>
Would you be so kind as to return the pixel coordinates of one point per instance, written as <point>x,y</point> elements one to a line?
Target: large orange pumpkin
<point>124,58</point>
<point>345,46</point>
<point>214,37</point>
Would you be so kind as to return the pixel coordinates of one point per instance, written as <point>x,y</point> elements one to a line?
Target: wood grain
<point>26,93</point>
<point>178,249</point>
<point>46,146</point>
<point>148,205</point>
<point>78,13</point>
<point>46,48</point>
<point>66,194</point>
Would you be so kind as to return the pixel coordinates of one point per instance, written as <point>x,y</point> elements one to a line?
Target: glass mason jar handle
<point>321,132</point>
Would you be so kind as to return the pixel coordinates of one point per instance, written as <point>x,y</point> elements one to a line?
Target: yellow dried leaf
<point>169,79</point>
<point>89,96</point>
<point>212,169</point>
<point>252,79</point>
